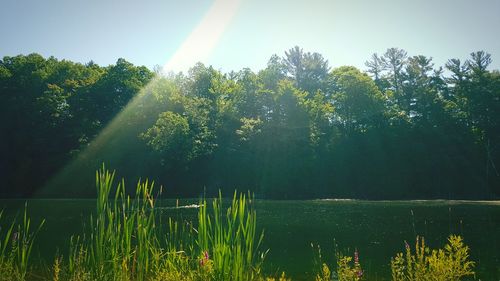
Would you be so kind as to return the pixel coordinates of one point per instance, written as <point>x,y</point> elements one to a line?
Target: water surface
<point>377,229</point>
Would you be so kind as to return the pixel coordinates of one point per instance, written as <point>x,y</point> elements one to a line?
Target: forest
<point>402,128</point>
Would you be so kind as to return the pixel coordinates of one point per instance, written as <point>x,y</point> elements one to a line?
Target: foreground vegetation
<point>296,129</point>
<point>128,240</point>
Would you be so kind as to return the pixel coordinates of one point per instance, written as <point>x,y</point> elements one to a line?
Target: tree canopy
<point>296,129</point>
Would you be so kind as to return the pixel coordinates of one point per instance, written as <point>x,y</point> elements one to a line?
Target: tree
<point>376,68</point>
<point>308,70</point>
<point>273,73</point>
<point>169,137</point>
<point>292,130</point>
<point>417,92</point>
<point>357,102</point>
<point>393,61</point>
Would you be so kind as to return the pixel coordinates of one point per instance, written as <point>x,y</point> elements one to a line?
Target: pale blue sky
<point>148,32</point>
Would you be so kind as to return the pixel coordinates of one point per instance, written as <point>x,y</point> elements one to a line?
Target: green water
<point>376,229</point>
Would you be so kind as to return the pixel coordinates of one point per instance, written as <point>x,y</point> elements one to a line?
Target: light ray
<point>195,48</point>
<point>202,40</point>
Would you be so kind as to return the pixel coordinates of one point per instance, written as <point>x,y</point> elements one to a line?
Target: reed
<point>229,238</point>
<point>16,245</point>
<point>122,240</point>
<point>127,241</point>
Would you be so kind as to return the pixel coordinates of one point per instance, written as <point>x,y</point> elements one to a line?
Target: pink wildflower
<point>205,258</point>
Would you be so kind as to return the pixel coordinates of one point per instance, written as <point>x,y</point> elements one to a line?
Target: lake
<point>377,229</point>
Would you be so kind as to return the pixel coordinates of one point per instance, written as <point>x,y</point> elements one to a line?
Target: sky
<point>233,34</point>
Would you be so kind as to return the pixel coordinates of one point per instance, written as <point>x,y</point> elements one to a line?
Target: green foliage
<point>127,240</point>
<point>168,136</point>
<point>229,240</point>
<point>347,271</point>
<point>249,128</point>
<point>448,264</point>
<point>16,245</point>
<point>53,108</point>
<point>359,103</point>
<point>325,273</point>
<point>296,129</point>
<point>347,268</point>
<point>309,70</point>
<point>281,278</point>
<point>123,237</point>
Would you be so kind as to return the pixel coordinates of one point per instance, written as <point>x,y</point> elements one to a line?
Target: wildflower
<point>407,246</point>
<point>357,267</point>
<point>204,259</point>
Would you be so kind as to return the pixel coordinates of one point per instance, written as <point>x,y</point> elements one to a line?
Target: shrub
<point>448,264</point>
<point>348,268</point>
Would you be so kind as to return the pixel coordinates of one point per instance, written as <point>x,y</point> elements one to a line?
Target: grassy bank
<point>127,239</point>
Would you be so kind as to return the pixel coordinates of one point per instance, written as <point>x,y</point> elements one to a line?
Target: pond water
<point>377,229</point>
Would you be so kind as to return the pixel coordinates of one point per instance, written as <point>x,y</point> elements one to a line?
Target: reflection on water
<point>376,229</point>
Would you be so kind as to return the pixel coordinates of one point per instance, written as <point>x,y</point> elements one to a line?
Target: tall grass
<point>231,238</point>
<point>122,240</point>
<point>16,245</point>
<point>126,240</point>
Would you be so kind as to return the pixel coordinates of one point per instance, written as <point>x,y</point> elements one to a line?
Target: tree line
<point>298,128</point>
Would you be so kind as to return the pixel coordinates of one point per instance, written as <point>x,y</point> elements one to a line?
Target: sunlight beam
<point>202,40</point>
<point>195,48</point>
